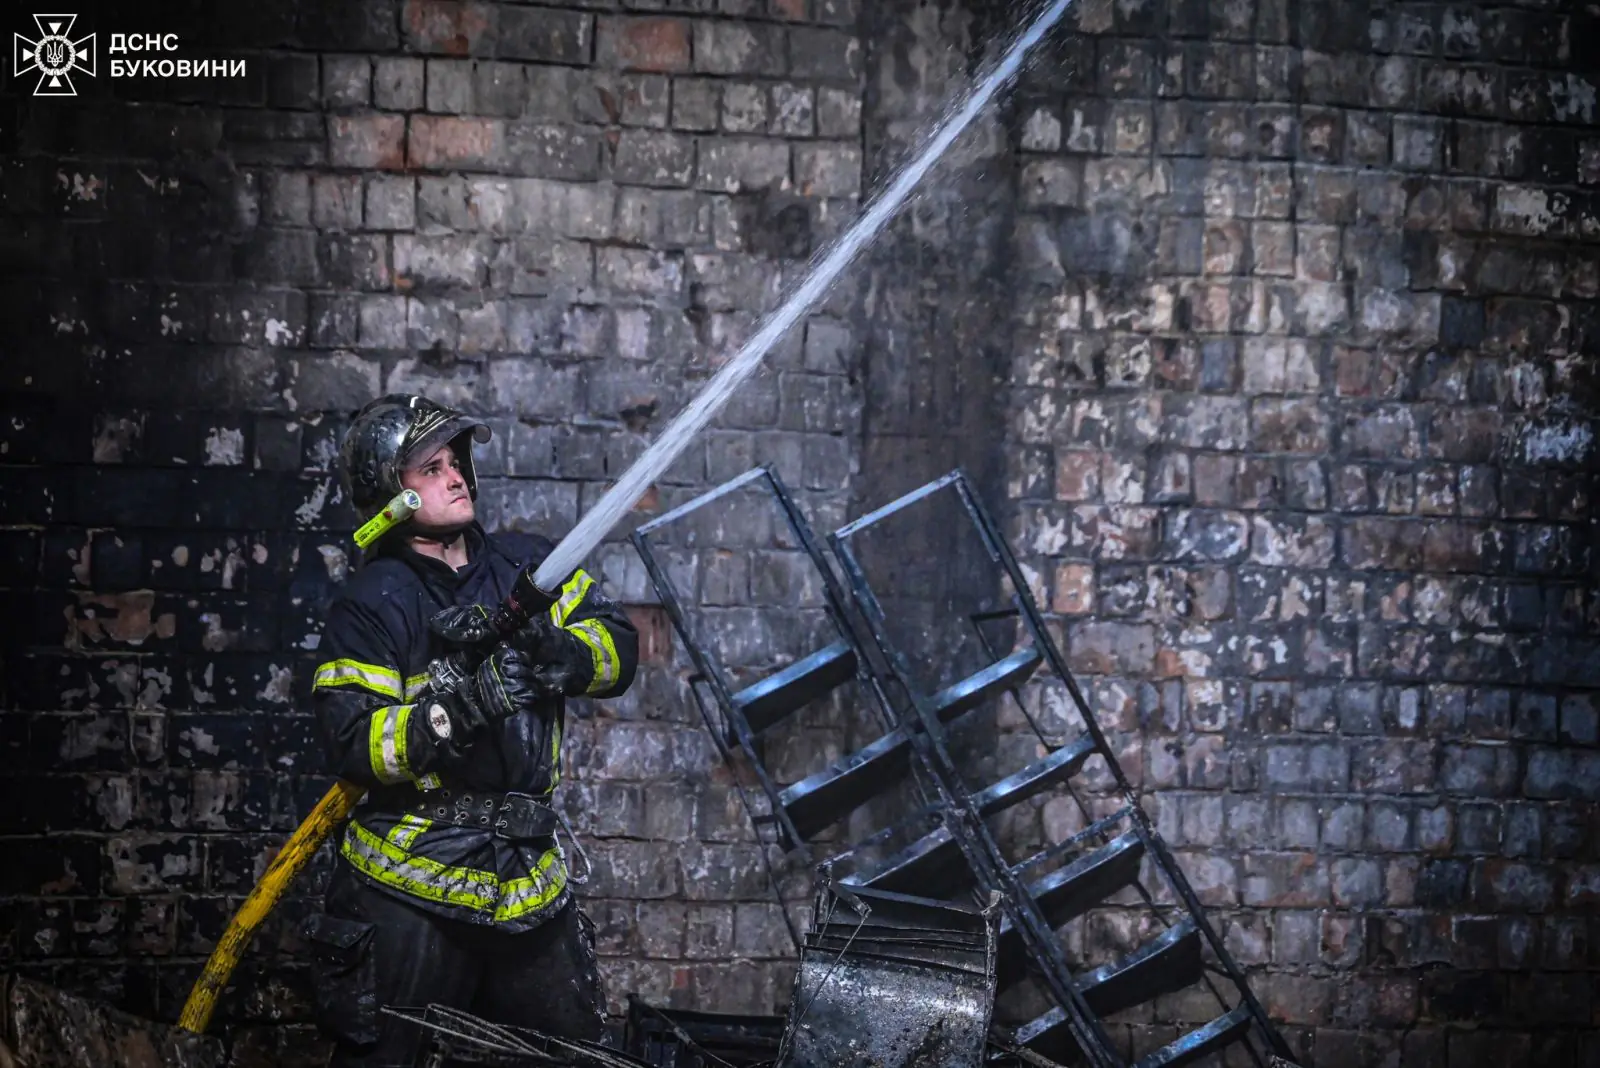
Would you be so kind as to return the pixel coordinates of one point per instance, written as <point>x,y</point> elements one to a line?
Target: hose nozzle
<point>525,601</point>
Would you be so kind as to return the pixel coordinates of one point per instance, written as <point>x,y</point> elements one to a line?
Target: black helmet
<point>388,432</point>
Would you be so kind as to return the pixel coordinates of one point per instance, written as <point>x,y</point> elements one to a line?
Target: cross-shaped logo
<point>55,55</point>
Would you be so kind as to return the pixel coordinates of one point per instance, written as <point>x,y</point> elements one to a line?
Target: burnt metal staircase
<point>946,847</point>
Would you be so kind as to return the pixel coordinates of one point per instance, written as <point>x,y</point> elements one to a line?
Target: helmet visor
<point>426,437</point>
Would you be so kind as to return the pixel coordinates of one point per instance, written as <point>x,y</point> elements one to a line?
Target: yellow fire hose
<point>297,851</point>
<point>295,854</point>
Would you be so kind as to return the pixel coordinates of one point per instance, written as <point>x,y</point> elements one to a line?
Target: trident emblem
<point>55,55</point>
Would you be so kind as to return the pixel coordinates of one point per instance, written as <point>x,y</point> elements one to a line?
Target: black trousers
<point>371,949</point>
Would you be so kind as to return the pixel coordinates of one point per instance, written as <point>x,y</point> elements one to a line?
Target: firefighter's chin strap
<point>443,535</point>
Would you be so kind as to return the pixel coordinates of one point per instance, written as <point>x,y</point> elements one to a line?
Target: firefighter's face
<point>438,478</point>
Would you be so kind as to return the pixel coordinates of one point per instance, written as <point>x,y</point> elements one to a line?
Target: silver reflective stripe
<point>346,672</point>
<point>537,889</point>
<point>416,684</point>
<point>603,650</point>
<point>388,754</point>
<point>419,876</point>
<point>409,829</point>
<point>571,594</point>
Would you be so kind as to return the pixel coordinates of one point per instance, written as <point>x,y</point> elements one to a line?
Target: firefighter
<point>451,885</point>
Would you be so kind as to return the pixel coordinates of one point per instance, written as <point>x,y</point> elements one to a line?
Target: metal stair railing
<point>1248,1016</point>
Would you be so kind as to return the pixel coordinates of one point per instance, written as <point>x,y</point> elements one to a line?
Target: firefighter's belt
<point>510,815</point>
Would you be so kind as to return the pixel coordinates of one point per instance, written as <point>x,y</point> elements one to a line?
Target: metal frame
<point>966,826</point>
<point>984,856</point>
<point>708,674</point>
<point>859,620</point>
<point>1022,601</point>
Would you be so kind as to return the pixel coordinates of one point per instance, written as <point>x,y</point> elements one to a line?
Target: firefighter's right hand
<point>502,685</point>
<point>506,683</point>
<point>453,720</point>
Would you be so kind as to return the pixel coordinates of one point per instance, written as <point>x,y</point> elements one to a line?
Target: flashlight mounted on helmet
<point>394,513</point>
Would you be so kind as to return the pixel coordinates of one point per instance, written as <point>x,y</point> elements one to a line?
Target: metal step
<point>1070,892</point>
<point>1196,1044</point>
<point>972,691</point>
<point>932,864</point>
<point>818,800</point>
<point>1160,966</point>
<point>1035,778</point>
<point>1169,962</point>
<point>776,696</point>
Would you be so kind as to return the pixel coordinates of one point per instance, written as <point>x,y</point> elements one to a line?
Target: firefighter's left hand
<point>463,626</point>
<point>556,657</point>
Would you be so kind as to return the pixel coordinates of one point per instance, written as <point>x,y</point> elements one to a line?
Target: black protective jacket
<point>408,836</point>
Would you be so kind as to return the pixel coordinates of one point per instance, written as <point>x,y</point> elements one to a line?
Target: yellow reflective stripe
<point>386,743</point>
<point>408,830</point>
<point>418,876</point>
<point>389,863</point>
<point>429,781</point>
<point>533,891</point>
<point>571,594</point>
<point>416,684</point>
<point>594,634</point>
<point>380,680</point>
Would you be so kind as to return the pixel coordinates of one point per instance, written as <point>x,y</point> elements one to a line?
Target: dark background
<point>1268,327</point>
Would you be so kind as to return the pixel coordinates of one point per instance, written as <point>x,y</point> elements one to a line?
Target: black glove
<point>502,685</point>
<point>506,683</point>
<point>453,717</point>
<point>558,659</point>
<point>464,626</point>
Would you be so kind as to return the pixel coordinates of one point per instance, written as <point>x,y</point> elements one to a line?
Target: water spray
<point>533,592</point>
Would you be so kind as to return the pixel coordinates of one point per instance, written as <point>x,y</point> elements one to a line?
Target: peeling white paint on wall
<point>80,188</point>
<point>1050,535</point>
<point>308,512</point>
<point>279,333</point>
<point>335,561</point>
<point>279,689</point>
<point>1536,210</point>
<point>1042,132</point>
<point>1573,98</point>
<point>216,638</point>
<point>113,800</point>
<point>224,446</point>
<point>1558,443</point>
<point>155,685</point>
<point>158,183</point>
<point>203,695</point>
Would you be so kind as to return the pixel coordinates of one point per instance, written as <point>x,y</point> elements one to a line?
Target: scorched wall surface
<point>1269,326</point>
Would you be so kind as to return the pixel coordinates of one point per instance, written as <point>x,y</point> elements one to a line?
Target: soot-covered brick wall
<point>1269,327</point>
<point>1302,395</point>
<point>562,218</point>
